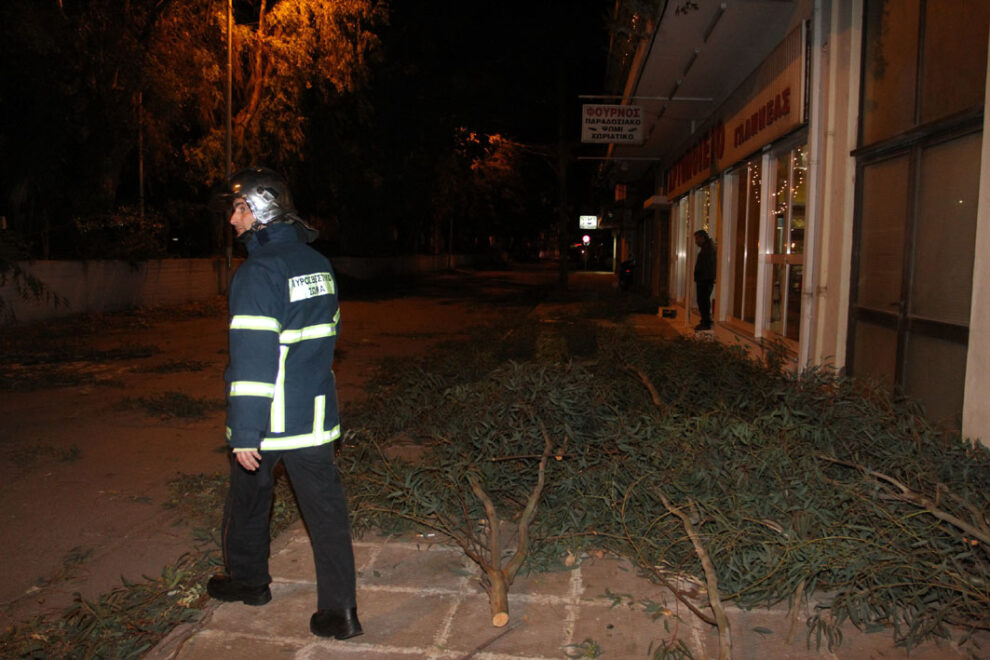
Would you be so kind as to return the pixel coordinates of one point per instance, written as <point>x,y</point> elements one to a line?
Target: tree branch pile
<point>689,459</point>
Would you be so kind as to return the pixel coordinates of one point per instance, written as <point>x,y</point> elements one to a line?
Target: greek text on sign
<point>621,124</point>
<point>310,286</point>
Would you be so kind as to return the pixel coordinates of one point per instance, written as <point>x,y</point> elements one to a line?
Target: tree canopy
<point>115,111</point>
<point>97,86</point>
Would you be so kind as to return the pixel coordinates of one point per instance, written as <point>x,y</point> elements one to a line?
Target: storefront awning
<point>701,55</point>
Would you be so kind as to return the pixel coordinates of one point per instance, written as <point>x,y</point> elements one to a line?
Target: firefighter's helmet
<point>266,193</point>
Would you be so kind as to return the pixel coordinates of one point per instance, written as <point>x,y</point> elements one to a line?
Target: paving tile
<point>334,650</point>
<point>294,560</point>
<point>535,629</point>
<point>620,632</point>
<point>554,583</point>
<point>601,577</point>
<point>406,565</point>
<point>287,614</point>
<point>403,618</point>
<point>213,644</point>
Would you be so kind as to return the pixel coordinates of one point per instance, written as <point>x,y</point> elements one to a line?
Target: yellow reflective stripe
<point>251,388</point>
<point>300,441</point>
<point>278,401</point>
<point>309,332</point>
<point>319,412</point>
<point>248,322</point>
<point>336,317</point>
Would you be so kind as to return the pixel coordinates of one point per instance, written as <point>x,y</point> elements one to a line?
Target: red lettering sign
<point>775,108</point>
<point>699,158</point>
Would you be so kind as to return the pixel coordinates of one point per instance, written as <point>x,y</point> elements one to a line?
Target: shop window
<point>746,242</point>
<point>942,285</point>
<point>916,214</point>
<point>881,264</point>
<point>787,259</point>
<point>890,62</point>
<point>678,248</point>
<point>703,209</point>
<point>914,279</point>
<point>954,61</point>
<point>704,217</point>
<point>946,38</point>
<point>881,234</point>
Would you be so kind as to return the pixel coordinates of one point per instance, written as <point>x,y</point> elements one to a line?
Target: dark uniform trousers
<point>316,482</point>
<point>705,288</point>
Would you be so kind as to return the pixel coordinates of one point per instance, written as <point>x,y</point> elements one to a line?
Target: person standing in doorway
<point>282,403</point>
<point>704,277</point>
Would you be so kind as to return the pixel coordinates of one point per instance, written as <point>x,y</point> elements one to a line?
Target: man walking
<point>282,403</point>
<point>704,277</point>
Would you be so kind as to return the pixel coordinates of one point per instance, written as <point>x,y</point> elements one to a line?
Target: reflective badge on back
<point>310,286</point>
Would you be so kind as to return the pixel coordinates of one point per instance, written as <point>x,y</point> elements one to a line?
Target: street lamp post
<point>228,242</point>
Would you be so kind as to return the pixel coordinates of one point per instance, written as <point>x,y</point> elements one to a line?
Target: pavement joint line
<point>699,643</point>
<point>421,546</point>
<point>576,585</point>
<point>364,650</point>
<point>307,645</point>
<point>376,549</point>
<point>448,620</point>
<point>539,599</point>
<point>506,656</point>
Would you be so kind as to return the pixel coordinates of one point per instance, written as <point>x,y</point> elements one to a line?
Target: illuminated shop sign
<point>696,165</point>
<point>608,124</point>
<point>771,106</point>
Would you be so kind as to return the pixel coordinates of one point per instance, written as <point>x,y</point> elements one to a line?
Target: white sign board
<point>603,124</point>
<point>588,221</point>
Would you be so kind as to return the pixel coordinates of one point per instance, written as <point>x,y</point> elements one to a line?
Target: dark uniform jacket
<point>704,267</point>
<point>284,316</point>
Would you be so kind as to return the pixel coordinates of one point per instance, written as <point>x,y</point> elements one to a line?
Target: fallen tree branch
<point>917,499</point>
<point>657,401</point>
<point>724,633</point>
<point>497,580</point>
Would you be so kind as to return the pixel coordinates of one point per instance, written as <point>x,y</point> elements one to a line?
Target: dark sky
<point>503,65</point>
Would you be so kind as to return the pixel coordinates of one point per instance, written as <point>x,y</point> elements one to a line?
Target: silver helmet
<point>266,193</point>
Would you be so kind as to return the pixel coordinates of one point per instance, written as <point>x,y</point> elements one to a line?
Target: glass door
<point>787,241</point>
<point>746,242</point>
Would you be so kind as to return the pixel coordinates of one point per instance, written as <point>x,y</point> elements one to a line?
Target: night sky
<point>503,66</point>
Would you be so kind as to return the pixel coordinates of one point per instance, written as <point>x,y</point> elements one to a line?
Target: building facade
<point>835,151</point>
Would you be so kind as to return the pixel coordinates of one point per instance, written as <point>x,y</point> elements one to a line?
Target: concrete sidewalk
<point>420,599</point>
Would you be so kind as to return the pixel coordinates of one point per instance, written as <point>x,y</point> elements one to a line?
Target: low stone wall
<point>105,286</point>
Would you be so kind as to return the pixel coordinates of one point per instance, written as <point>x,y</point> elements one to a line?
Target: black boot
<point>225,588</point>
<point>341,624</point>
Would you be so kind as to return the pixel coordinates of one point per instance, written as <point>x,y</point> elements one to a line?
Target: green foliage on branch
<point>791,486</point>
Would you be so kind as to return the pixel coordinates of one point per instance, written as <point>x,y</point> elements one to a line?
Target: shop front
<point>745,182</point>
<point>845,178</point>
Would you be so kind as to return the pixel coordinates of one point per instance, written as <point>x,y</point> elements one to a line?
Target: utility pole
<point>140,127</point>
<point>228,241</point>
<point>563,154</point>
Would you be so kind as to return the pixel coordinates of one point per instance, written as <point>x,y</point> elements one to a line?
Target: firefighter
<point>282,403</point>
